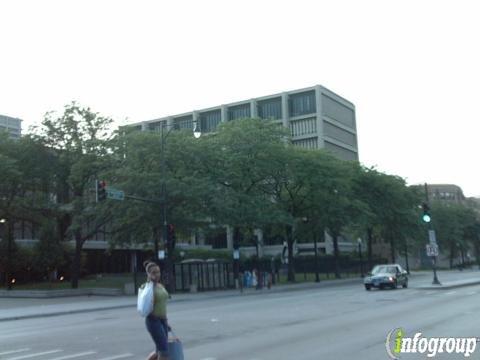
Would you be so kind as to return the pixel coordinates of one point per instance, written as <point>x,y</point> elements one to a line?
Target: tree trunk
<point>452,250</point>
<point>291,269</point>
<point>406,258</point>
<point>369,247</point>
<point>477,253</point>
<point>236,246</point>
<point>392,249</point>
<point>76,260</point>
<point>336,254</point>
<point>315,240</point>
<point>9,237</point>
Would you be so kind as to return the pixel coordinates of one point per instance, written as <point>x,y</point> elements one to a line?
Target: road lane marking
<point>117,357</point>
<point>450,293</point>
<point>34,355</point>
<point>75,355</point>
<point>472,293</point>
<point>13,351</point>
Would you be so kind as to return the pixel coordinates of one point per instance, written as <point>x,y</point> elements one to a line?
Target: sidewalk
<point>26,308</point>
<point>449,279</point>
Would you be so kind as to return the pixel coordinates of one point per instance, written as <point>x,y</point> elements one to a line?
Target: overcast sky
<point>412,68</point>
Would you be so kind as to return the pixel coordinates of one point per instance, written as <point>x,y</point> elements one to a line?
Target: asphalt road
<point>344,322</point>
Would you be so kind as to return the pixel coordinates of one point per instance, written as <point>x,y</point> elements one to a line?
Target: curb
<point>448,287</point>
<point>68,312</point>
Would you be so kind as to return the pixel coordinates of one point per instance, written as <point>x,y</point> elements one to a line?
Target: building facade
<point>448,193</point>
<point>317,118</point>
<point>12,125</point>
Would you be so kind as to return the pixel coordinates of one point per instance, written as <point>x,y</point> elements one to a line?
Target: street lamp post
<point>7,237</point>
<point>168,256</point>
<point>359,241</point>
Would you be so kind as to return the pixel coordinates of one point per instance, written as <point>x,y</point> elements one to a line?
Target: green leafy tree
<point>79,141</point>
<point>25,178</point>
<point>391,210</point>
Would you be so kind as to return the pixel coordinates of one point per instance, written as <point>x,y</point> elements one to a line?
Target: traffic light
<point>171,236</point>
<point>426,213</point>
<point>101,189</point>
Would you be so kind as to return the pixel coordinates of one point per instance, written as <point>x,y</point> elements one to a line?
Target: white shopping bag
<point>145,299</point>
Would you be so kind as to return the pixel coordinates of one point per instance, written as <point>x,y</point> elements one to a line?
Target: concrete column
<point>320,133</point>
<point>259,234</point>
<point>285,113</point>
<point>196,119</point>
<point>253,108</point>
<point>133,260</point>
<point>169,122</point>
<point>328,243</point>
<point>144,126</point>
<point>193,238</point>
<point>229,237</point>
<point>224,112</point>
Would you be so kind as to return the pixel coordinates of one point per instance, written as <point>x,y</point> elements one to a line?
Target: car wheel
<point>405,284</point>
<point>368,287</point>
<point>394,285</point>
<point>381,287</point>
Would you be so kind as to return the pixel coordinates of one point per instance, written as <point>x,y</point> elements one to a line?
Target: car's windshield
<point>384,269</point>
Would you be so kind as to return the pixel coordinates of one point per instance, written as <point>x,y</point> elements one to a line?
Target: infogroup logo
<point>397,343</point>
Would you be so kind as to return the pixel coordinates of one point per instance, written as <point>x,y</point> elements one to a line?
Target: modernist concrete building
<point>12,125</point>
<point>317,118</point>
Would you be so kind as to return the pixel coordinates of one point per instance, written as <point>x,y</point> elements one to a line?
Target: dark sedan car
<point>389,275</point>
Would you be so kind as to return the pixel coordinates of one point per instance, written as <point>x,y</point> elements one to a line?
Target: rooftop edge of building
<point>259,98</point>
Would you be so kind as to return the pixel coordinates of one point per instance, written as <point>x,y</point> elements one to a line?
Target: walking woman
<point>156,322</point>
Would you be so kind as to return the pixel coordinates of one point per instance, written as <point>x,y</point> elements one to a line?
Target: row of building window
<point>444,195</point>
<point>299,104</point>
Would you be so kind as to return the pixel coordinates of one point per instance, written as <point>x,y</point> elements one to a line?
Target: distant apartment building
<point>446,193</point>
<point>317,118</point>
<point>12,125</point>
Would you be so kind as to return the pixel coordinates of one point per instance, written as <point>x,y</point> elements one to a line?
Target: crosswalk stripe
<point>75,355</point>
<point>117,357</point>
<point>13,351</point>
<point>33,355</point>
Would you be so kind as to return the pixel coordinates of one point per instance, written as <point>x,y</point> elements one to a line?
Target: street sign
<point>236,254</point>
<point>432,237</point>
<point>115,194</point>
<point>432,250</point>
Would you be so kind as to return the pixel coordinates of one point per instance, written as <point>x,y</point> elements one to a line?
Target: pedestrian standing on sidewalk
<point>156,322</point>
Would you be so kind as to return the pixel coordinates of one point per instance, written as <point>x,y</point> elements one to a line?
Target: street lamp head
<point>3,221</point>
<point>359,240</point>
